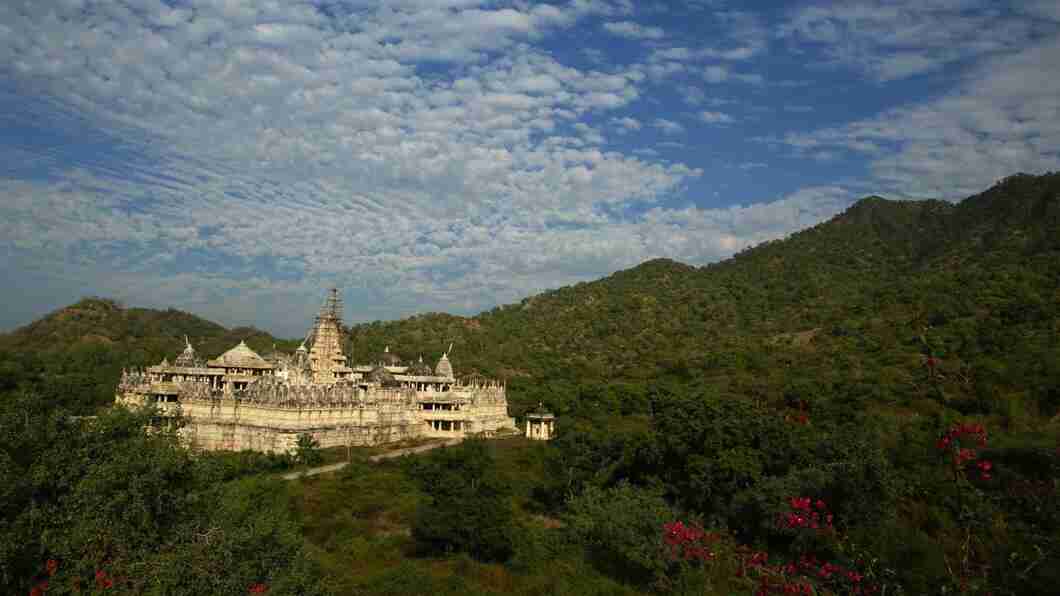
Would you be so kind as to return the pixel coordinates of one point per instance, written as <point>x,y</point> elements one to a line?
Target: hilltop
<point>860,299</point>
<point>75,355</point>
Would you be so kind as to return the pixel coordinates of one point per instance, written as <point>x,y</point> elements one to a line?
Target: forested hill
<point>856,304</point>
<point>75,355</point>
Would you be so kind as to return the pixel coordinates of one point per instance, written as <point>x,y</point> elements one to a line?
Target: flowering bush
<point>805,574</point>
<point>960,443</point>
<point>689,542</point>
<point>103,581</point>
<point>806,515</point>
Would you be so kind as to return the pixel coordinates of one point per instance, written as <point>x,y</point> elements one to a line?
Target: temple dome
<point>241,356</point>
<point>383,377</point>
<point>444,368</point>
<point>419,369</point>
<point>187,357</point>
<point>388,358</point>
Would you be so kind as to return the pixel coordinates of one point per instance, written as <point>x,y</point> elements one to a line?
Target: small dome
<point>419,369</point>
<point>187,357</point>
<point>382,376</point>
<point>444,368</point>
<point>388,358</point>
<point>243,357</point>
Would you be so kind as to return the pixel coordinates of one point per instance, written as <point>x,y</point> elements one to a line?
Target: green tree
<point>103,500</point>
<point>307,451</point>
<point>468,506</point>
<point>622,528</point>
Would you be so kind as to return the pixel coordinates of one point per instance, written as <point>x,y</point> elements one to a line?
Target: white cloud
<point>716,117</point>
<point>693,96</point>
<point>632,30</point>
<point>668,126</point>
<point>703,235</point>
<point>271,147</point>
<point>715,73</point>
<point>995,124</point>
<point>626,124</point>
<point>891,40</point>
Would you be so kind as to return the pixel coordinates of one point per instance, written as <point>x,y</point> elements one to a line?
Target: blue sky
<point>236,158</point>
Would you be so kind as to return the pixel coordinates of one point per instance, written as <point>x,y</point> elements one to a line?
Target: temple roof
<point>187,357</point>
<point>540,413</point>
<point>241,356</point>
<point>420,369</point>
<point>444,368</point>
<point>389,358</point>
<point>382,376</point>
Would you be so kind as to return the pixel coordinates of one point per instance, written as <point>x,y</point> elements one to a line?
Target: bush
<point>307,451</point>
<point>102,503</point>
<point>468,506</point>
<point>622,529</point>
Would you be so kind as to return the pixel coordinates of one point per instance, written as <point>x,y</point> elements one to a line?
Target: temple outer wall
<point>378,417</point>
<point>233,425</point>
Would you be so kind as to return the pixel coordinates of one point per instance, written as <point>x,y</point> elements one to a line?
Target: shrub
<point>620,526</point>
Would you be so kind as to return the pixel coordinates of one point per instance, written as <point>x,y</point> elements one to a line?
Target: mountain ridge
<point>877,263</point>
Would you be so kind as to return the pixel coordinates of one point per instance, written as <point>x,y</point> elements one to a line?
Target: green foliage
<point>622,528</point>
<point>73,357</point>
<point>307,451</point>
<point>102,495</point>
<point>468,507</point>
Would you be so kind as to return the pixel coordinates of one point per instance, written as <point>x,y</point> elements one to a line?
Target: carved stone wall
<point>266,421</point>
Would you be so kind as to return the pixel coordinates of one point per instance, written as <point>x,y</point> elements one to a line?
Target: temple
<point>241,400</point>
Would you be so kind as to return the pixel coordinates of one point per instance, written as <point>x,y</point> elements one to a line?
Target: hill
<point>74,356</point>
<point>863,299</point>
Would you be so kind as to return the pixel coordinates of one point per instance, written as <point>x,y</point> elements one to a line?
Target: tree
<point>307,452</point>
<point>99,502</point>
<point>468,506</point>
<point>622,528</point>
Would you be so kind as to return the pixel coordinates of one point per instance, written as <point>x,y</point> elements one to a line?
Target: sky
<point>237,158</point>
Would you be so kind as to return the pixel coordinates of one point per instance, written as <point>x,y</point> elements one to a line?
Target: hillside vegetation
<point>854,305</point>
<point>74,356</point>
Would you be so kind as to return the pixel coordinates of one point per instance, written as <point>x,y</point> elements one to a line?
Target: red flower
<point>51,566</point>
<point>102,581</point>
<point>258,588</point>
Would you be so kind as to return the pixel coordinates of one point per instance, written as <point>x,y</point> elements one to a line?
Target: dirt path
<point>374,458</point>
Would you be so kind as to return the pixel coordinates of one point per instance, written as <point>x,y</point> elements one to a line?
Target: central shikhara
<point>241,400</point>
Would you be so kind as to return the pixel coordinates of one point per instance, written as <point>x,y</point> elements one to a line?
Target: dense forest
<point>868,406</point>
